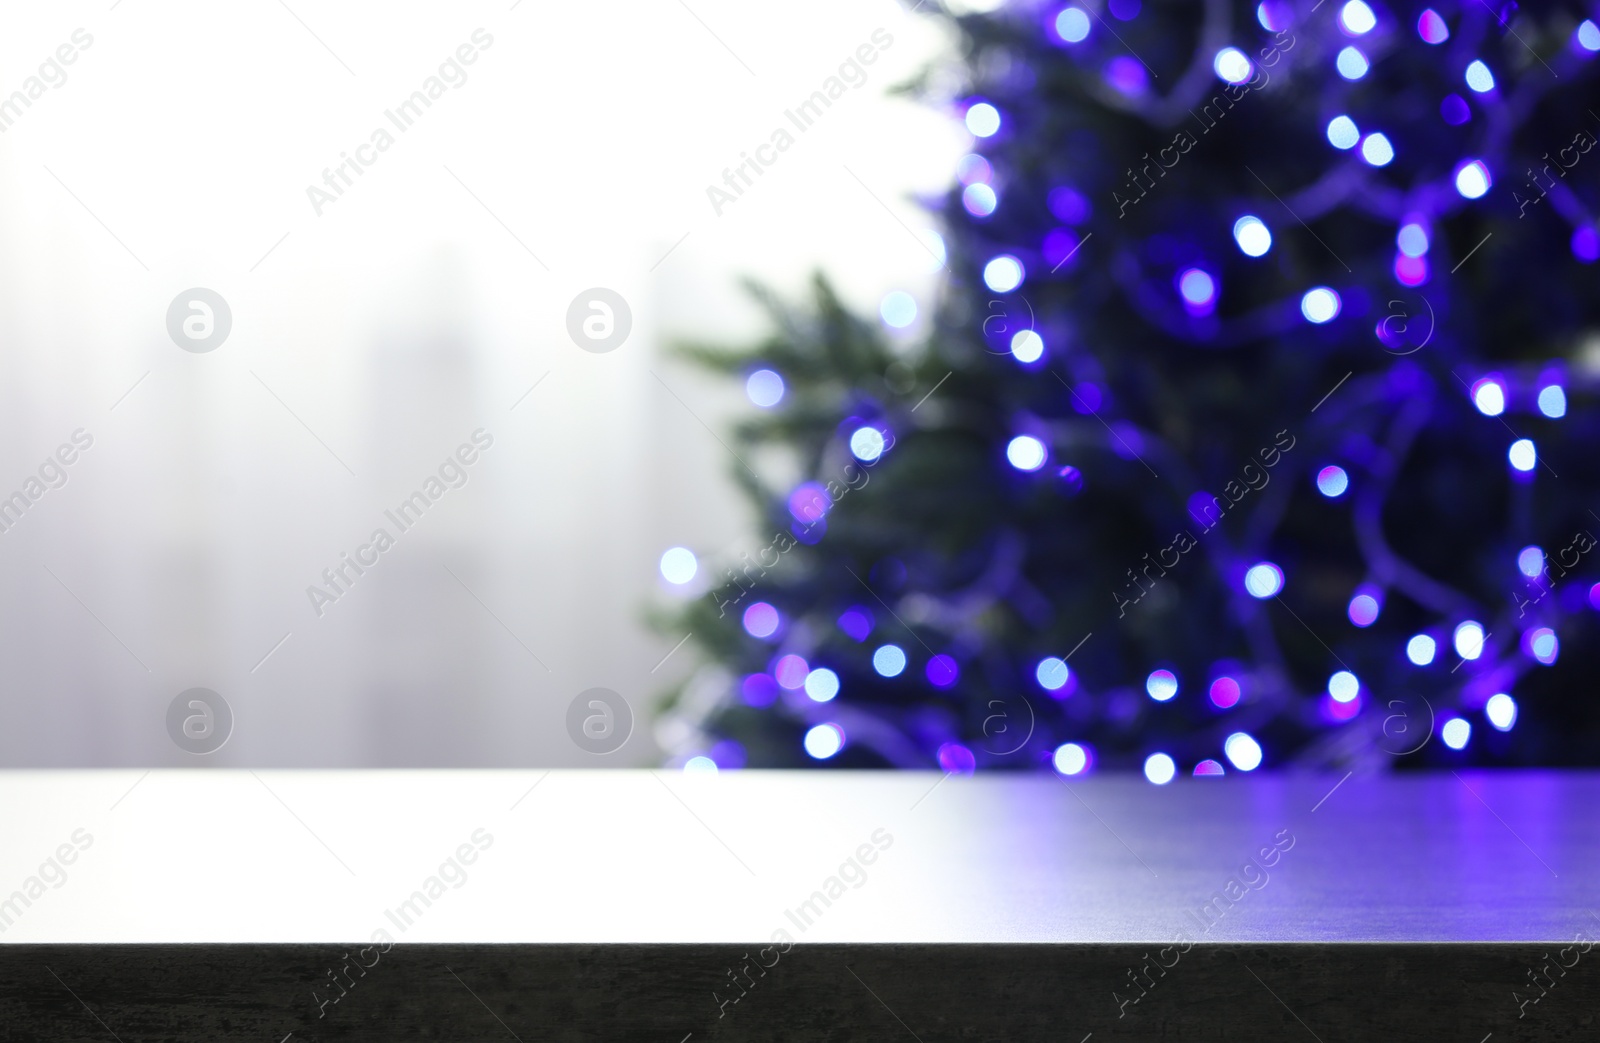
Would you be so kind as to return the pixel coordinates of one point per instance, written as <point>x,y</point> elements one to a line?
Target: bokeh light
<point>1522,454</point>
<point>678,565</point>
<point>1351,63</point>
<point>1252,235</point>
<point>1027,346</point>
<point>1472,179</point>
<point>856,621</point>
<point>1553,401</point>
<point>1224,693</point>
<point>866,444</point>
<point>1026,453</point>
<point>1343,133</point>
<point>759,690</point>
<point>1421,649</point>
<point>956,759</point>
<point>1479,78</point>
<point>1052,674</point>
<point>1072,25</point>
<point>1159,768</point>
<point>1263,580</point>
<point>1468,639</point>
<point>1070,759</point>
<point>700,765</point>
<point>1208,768</point>
<point>1127,75</point>
<point>1242,751</point>
<point>1501,710</point>
<point>1363,610</point>
<point>809,502</point>
<point>1344,686</point>
<point>942,671</point>
<point>1332,481</point>
<point>761,620</point>
<point>983,119</point>
<point>822,685</point>
<point>764,387</point>
<point>889,660</point>
<point>979,199</point>
<point>1003,274</point>
<point>1198,290</point>
<point>1232,65</point>
<point>1586,244</point>
<point>1320,305</point>
<point>1530,562</point>
<point>1455,732</point>
<point>1356,18</point>
<point>1161,685</point>
<point>899,308</point>
<point>1542,644</point>
<point>1431,27</point>
<point>1377,150</point>
<point>1489,395</point>
<point>824,741</point>
<point>1412,239</point>
<point>1588,35</point>
<point>791,671</point>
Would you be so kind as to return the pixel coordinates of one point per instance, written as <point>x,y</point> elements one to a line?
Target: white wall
<point>407,314</point>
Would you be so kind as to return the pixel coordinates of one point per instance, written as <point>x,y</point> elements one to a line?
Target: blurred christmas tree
<point>1254,423</point>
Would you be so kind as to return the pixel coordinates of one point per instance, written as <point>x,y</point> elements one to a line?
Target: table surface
<point>661,857</point>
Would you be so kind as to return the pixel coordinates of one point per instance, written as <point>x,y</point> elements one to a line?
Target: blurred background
<point>368,341</point>
<point>1072,385</point>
